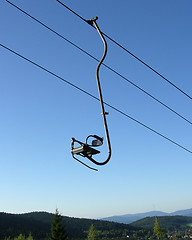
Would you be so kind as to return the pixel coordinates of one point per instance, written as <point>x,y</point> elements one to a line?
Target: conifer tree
<point>20,237</point>
<point>57,230</point>
<point>92,234</point>
<point>158,231</point>
<point>30,237</point>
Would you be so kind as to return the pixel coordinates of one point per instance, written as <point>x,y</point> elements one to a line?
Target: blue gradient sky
<point>40,113</point>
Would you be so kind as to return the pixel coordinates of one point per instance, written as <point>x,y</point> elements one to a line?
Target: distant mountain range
<point>130,218</point>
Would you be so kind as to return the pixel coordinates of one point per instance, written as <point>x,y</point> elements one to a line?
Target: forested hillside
<point>168,223</point>
<point>39,225</point>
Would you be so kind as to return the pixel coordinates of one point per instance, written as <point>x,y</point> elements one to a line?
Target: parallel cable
<point>126,50</point>
<point>120,75</point>
<point>91,95</point>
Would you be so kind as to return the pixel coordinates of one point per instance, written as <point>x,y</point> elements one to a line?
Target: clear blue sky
<point>40,113</point>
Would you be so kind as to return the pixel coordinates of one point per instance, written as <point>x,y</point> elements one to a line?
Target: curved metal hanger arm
<point>86,150</point>
<point>93,21</point>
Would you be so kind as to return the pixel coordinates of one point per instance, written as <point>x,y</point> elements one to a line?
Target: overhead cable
<point>114,71</point>
<point>92,96</point>
<point>125,49</point>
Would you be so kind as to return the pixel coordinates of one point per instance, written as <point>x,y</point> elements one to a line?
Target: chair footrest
<point>85,150</point>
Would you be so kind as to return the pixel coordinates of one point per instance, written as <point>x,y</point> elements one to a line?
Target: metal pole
<point>100,94</point>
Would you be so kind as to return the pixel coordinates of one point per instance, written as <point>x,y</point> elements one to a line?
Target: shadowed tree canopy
<point>57,229</point>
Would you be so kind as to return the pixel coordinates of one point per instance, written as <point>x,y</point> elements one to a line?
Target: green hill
<point>39,225</point>
<point>169,223</point>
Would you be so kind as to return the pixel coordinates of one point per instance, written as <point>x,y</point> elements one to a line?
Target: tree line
<point>39,224</point>
<point>58,231</point>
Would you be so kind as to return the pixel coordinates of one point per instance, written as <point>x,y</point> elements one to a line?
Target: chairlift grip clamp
<point>92,20</point>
